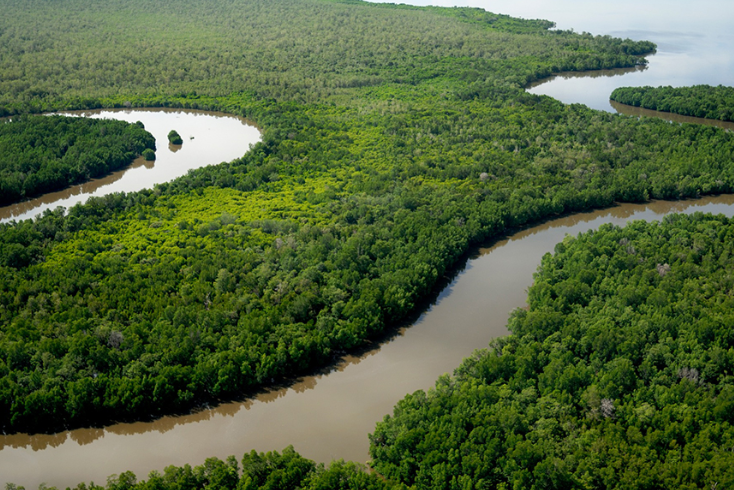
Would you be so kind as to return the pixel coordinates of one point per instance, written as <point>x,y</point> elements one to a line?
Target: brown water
<point>329,415</point>
<point>209,138</point>
<point>587,75</point>
<point>639,111</point>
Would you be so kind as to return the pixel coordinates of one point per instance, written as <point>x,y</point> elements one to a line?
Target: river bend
<point>329,415</point>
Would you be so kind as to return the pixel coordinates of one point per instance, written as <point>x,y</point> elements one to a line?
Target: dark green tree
<point>149,154</point>
<point>174,138</point>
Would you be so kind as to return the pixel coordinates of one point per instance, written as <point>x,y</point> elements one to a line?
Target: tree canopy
<point>394,138</point>
<point>619,374</point>
<point>174,138</point>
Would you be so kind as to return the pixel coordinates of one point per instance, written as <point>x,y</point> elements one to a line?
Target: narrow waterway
<point>328,416</point>
<point>209,138</point>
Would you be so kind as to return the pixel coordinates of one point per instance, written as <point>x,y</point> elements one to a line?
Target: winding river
<point>329,415</point>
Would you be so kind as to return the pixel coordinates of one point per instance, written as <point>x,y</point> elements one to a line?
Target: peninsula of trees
<point>698,101</point>
<point>40,154</point>
<point>174,138</point>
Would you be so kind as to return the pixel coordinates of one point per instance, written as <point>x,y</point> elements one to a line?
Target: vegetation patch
<point>174,138</point>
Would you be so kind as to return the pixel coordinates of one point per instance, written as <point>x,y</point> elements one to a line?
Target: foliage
<point>698,100</point>
<point>40,154</point>
<point>394,138</point>
<point>55,57</point>
<point>174,138</point>
<point>149,154</point>
<point>618,375</point>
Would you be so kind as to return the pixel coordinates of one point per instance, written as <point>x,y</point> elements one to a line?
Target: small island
<point>149,155</point>
<point>174,138</point>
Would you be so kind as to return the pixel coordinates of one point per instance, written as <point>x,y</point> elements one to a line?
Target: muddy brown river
<point>329,415</point>
<point>676,118</point>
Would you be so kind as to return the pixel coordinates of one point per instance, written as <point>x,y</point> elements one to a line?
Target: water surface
<point>669,116</point>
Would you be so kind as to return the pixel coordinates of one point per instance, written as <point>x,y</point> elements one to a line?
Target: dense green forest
<point>316,51</point>
<point>620,375</point>
<point>40,154</point>
<point>394,138</point>
<point>698,100</point>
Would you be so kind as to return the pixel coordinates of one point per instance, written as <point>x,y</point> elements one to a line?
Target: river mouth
<point>328,416</point>
<point>209,138</point>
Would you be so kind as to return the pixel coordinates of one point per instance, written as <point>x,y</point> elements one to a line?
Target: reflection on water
<point>50,200</point>
<point>328,415</point>
<point>162,425</point>
<point>219,137</point>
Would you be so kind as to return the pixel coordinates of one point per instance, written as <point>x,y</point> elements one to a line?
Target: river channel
<point>209,138</point>
<point>329,415</point>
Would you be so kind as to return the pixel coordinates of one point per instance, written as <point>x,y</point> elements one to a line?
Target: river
<point>329,415</point>
<point>209,138</point>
